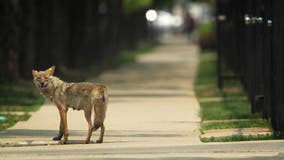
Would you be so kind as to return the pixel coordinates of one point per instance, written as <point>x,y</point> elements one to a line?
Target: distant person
<point>189,24</point>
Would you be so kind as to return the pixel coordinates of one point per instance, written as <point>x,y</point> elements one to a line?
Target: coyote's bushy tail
<point>105,97</point>
<point>100,111</point>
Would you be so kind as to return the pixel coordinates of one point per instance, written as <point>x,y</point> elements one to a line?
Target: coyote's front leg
<point>63,129</point>
<point>63,113</point>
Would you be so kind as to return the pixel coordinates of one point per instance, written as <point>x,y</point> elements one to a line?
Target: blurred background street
<point>175,93</point>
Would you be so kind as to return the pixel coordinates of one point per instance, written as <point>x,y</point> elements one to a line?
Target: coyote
<point>79,96</point>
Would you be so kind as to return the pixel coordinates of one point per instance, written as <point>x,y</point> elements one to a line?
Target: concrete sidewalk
<point>151,102</point>
<point>152,114</point>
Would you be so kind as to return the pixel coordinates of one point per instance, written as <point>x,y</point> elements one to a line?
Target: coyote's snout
<point>79,96</point>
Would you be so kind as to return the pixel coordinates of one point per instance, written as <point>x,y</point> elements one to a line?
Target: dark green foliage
<point>130,6</point>
<point>19,95</point>
<point>73,35</point>
<point>207,36</point>
<point>163,4</point>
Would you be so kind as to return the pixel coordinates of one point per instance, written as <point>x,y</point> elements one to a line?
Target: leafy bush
<point>207,36</point>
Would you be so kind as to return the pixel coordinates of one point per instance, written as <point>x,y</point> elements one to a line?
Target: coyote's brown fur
<point>80,96</point>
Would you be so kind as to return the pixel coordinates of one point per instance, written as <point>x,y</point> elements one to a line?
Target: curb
<point>236,132</point>
<point>28,143</point>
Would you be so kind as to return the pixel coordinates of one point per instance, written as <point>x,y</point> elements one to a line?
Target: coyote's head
<point>42,79</point>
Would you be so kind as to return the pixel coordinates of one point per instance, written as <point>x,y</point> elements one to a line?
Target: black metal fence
<point>251,42</point>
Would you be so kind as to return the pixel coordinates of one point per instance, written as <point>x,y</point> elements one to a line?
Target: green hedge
<point>207,36</point>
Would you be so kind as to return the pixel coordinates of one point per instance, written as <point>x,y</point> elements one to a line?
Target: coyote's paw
<point>57,138</point>
<point>86,142</point>
<point>99,141</point>
<point>62,142</point>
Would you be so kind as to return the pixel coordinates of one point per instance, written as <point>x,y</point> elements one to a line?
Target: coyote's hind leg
<point>101,137</point>
<point>88,114</point>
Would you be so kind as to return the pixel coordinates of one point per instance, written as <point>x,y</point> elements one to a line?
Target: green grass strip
<point>234,109</point>
<point>274,136</point>
<point>231,103</point>
<point>12,120</point>
<point>19,97</point>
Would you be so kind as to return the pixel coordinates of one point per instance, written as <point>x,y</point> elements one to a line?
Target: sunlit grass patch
<point>20,97</point>
<point>234,109</point>
<point>11,120</point>
<point>222,109</point>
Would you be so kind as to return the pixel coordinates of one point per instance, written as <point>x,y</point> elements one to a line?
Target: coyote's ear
<point>34,72</point>
<point>51,70</point>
